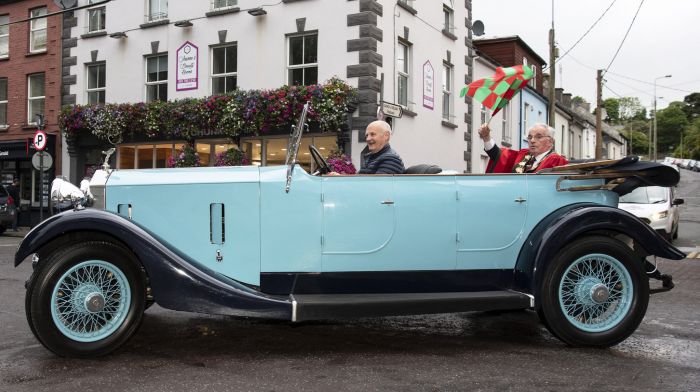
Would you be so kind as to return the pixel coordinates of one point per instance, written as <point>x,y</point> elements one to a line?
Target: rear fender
<point>177,281</point>
<point>569,223</point>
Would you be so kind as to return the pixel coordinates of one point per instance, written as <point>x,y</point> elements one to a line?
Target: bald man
<point>381,158</point>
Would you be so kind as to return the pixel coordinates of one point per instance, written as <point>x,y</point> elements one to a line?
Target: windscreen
<point>646,195</point>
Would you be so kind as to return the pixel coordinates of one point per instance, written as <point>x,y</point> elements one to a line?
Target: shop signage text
<point>187,67</point>
<point>428,91</point>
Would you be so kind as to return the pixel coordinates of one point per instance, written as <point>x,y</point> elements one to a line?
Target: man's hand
<point>485,132</point>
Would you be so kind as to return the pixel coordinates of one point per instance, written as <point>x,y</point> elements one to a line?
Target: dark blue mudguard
<point>566,224</point>
<point>177,282</point>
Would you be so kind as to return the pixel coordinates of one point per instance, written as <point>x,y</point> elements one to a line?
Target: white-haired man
<point>381,158</point>
<point>539,154</point>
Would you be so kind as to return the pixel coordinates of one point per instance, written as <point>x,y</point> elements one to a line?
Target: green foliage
<point>637,131</point>
<point>612,108</point>
<point>692,106</point>
<point>630,108</point>
<point>252,112</point>
<point>670,122</point>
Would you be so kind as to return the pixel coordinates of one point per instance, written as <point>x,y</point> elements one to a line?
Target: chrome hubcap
<point>599,293</point>
<point>94,302</point>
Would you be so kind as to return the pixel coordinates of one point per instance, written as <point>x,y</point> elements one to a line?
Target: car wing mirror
<point>677,202</point>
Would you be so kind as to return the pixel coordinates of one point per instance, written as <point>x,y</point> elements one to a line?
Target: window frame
<point>30,98</point>
<point>303,66</point>
<point>157,82</point>
<point>102,21</point>
<point>225,74</point>
<point>404,74</point>
<point>33,30</point>
<point>4,102</point>
<point>6,36</point>
<point>98,89</point>
<point>214,7</point>
<point>447,73</point>
<point>448,18</point>
<point>159,14</point>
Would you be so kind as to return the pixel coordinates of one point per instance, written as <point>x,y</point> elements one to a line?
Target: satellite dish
<point>478,28</point>
<point>66,4</point>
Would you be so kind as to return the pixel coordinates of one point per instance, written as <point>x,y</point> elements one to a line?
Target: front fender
<point>566,224</point>
<point>177,281</point>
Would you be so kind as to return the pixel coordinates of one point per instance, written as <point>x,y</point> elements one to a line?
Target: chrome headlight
<point>660,215</point>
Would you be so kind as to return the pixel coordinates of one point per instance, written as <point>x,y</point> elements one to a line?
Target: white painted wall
<point>561,125</point>
<point>262,59</point>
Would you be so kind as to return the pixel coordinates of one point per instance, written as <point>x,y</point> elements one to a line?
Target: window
<point>3,102</point>
<point>96,83</point>
<point>37,30</point>
<point>96,17</point>
<point>269,151</point>
<point>448,19</point>
<point>221,4</point>
<point>157,78</point>
<point>403,75</point>
<point>4,36</point>
<point>157,10</point>
<point>303,60</point>
<point>446,92</point>
<point>504,124</point>
<point>224,69</point>
<point>571,144</point>
<point>533,82</point>
<point>484,114</point>
<point>36,96</point>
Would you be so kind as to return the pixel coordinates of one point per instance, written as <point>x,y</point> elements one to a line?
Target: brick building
<point>30,84</point>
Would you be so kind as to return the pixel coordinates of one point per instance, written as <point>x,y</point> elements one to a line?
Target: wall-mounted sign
<point>391,109</point>
<point>428,83</point>
<point>187,67</point>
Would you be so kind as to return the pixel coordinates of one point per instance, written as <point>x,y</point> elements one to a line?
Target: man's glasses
<point>536,137</point>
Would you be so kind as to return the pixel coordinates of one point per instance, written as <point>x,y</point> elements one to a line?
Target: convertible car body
<point>278,242</point>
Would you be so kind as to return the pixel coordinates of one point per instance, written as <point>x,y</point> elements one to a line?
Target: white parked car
<point>656,206</point>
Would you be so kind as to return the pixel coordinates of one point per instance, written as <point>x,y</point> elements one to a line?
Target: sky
<point>659,43</point>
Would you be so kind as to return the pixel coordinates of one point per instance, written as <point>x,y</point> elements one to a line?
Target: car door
<point>358,222</point>
<point>491,213</point>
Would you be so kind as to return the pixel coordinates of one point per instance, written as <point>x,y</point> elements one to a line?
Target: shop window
<point>274,150</point>
<point>4,36</point>
<point>224,71</point>
<point>96,17</point>
<point>157,10</point>
<point>447,92</point>
<point>3,102</point>
<point>223,4</point>
<point>96,83</point>
<point>303,60</point>
<point>252,148</point>
<point>37,30</point>
<point>403,76</point>
<point>157,78</point>
<point>126,157</point>
<point>36,96</point>
<point>163,154</point>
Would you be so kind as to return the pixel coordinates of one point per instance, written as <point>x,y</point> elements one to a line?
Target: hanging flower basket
<point>185,157</point>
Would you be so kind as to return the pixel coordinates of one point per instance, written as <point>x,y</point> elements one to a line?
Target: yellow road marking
<point>693,255</point>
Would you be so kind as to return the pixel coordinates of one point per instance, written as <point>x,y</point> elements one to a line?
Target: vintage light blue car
<point>278,242</point>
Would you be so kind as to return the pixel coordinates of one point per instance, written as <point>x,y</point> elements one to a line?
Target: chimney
<point>566,100</point>
<point>558,94</point>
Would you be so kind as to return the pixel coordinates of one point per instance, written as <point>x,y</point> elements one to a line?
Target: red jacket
<point>505,160</point>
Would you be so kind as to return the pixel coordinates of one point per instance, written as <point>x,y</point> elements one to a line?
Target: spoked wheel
<point>87,300</point>
<point>594,293</point>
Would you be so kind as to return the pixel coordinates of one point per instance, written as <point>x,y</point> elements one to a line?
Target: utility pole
<point>598,117</point>
<point>552,68</point>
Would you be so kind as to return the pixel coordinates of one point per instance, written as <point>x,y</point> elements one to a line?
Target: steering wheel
<point>321,163</point>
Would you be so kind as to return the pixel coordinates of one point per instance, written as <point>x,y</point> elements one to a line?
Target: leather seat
<point>423,169</point>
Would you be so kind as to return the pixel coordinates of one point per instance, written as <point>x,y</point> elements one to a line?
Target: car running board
<point>326,306</point>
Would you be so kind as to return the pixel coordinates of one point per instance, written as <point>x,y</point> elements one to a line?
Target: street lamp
<point>655,141</point>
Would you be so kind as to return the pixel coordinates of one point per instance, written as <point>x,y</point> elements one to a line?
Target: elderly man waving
<point>539,155</point>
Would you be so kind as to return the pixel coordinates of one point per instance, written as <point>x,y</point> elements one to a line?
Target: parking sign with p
<point>40,140</point>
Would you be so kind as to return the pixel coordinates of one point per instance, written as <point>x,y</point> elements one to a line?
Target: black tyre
<point>675,232</point>
<point>86,300</point>
<point>594,293</point>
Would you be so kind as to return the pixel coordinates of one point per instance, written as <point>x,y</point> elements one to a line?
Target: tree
<point>612,108</point>
<point>577,101</point>
<point>692,106</point>
<point>631,109</point>
<point>670,122</point>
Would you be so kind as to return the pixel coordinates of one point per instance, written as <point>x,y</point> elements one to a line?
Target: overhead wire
<point>625,37</point>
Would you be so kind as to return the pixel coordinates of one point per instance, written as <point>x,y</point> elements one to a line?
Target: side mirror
<point>677,202</point>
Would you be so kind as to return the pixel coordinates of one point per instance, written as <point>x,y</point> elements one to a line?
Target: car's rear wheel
<point>594,293</point>
<point>86,300</point>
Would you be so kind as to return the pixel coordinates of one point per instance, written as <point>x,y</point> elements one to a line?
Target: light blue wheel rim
<point>585,275</point>
<point>71,309</point>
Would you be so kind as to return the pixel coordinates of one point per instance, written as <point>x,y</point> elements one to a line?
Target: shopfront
<point>16,162</point>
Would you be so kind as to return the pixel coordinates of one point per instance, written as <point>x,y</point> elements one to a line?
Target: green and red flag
<point>496,91</point>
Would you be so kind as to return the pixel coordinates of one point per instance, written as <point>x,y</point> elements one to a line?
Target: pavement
<point>21,232</point>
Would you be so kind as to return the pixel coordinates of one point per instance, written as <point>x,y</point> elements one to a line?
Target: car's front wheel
<point>86,300</point>
<point>594,293</point>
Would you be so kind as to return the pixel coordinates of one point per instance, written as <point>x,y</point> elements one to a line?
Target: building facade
<point>30,85</point>
<point>139,53</point>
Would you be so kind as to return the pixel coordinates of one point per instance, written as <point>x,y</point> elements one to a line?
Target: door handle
<point>520,200</point>
<point>388,202</point>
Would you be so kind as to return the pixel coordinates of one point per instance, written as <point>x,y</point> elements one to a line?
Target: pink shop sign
<point>187,67</point>
<point>428,83</point>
